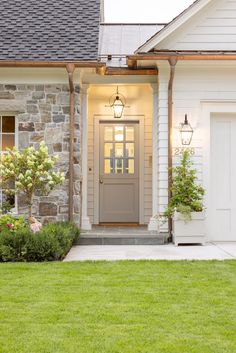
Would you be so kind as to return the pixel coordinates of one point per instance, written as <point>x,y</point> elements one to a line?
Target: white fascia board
<point>172,26</point>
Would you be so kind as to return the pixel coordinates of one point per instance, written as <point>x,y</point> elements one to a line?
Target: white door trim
<point>207,109</point>
<point>97,120</point>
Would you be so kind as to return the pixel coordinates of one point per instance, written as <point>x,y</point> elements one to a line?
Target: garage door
<point>222,205</point>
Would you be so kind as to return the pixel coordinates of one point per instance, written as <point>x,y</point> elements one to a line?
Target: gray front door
<point>119,172</point>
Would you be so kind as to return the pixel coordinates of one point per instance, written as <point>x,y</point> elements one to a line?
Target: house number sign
<point>178,151</point>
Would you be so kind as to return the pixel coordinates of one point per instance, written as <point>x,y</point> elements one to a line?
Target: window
<point>7,140</point>
<point>119,149</point>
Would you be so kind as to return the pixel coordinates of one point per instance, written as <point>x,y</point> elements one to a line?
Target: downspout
<point>70,69</point>
<point>172,62</point>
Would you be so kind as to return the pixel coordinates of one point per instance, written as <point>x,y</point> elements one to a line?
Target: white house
<point>118,167</point>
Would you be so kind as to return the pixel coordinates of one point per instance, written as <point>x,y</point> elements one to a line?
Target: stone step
<point>121,239</point>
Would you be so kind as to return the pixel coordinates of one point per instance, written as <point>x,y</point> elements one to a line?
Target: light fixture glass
<point>118,107</point>
<point>117,103</point>
<point>186,132</point>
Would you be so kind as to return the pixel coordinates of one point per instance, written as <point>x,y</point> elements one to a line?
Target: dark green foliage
<point>187,194</point>
<point>51,243</point>
<point>13,245</point>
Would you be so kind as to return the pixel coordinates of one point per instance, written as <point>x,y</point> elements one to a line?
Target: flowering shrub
<point>12,223</point>
<point>31,170</point>
<point>35,227</point>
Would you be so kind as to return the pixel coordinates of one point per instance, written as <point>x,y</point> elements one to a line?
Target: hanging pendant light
<point>186,132</point>
<point>117,102</point>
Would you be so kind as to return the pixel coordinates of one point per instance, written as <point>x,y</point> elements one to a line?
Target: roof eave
<point>58,64</point>
<point>181,55</point>
<point>172,26</point>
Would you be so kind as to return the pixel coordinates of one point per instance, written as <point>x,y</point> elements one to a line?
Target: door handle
<point>101,181</point>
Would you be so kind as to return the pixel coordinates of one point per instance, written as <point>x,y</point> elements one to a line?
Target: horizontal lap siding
<point>212,29</point>
<point>194,83</point>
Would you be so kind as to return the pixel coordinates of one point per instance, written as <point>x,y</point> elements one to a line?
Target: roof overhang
<point>171,27</point>
<point>89,64</point>
<point>101,68</point>
<point>132,60</point>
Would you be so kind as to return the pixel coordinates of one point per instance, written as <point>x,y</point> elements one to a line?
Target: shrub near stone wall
<point>51,243</point>
<point>43,115</point>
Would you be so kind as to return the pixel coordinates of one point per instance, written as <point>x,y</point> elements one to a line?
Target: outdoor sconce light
<point>186,132</point>
<point>117,102</point>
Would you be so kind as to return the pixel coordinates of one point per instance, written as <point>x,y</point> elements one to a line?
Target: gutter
<point>70,70</point>
<point>58,64</point>
<point>181,55</point>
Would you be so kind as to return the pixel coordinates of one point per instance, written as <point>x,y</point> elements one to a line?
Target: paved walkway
<point>216,251</point>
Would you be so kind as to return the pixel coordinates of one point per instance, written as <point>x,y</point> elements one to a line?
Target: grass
<point>118,307</point>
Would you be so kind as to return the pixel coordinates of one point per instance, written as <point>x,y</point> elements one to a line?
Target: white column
<point>163,75</point>
<point>86,225</point>
<point>153,223</point>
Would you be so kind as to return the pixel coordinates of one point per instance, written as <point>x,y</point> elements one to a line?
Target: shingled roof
<point>45,30</point>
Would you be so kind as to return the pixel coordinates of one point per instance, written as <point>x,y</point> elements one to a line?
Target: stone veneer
<point>44,116</point>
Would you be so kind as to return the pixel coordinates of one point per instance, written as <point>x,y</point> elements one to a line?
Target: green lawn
<point>118,307</point>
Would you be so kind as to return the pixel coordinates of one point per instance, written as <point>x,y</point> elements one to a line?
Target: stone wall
<point>44,116</point>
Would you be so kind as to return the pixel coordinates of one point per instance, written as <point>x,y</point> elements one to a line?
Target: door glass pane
<point>119,133</point>
<point>129,133</point>
<point>119,150</point>
<point>108,169</point>
<point>8,141</point>
<point>130,166</point>
<point>108,150</point>
<point>119,166</point>
<point>129,149</point>
<point>108,133</point>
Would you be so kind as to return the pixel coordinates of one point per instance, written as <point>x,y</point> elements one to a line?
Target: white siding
<point>139,98</point>
<point>213,28</point>
<point>194,84</point>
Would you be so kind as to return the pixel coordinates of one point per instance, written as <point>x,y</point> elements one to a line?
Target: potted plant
<point>186,204</point>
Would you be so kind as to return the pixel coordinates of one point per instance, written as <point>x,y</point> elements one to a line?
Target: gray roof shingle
<point>46,30</point>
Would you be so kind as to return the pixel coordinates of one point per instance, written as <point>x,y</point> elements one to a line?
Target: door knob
<point>101,181</point>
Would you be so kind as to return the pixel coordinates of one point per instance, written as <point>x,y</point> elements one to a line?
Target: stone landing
<point>120,235</point>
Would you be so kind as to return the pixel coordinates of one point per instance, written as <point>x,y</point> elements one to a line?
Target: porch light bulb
<point>186,132</point>
<point>118,107</point>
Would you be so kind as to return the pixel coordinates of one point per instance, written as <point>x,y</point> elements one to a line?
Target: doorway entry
<point>119,172</point>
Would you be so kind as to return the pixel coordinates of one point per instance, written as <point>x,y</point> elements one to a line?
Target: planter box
<point>192,232</point>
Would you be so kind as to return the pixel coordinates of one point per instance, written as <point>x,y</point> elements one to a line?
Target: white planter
<point>191,232</point>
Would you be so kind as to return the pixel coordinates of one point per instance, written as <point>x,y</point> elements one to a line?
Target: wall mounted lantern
<point>117,102</point>
<point>186,132</point>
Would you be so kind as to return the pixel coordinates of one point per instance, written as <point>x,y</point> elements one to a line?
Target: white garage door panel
<point>222,206</point>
